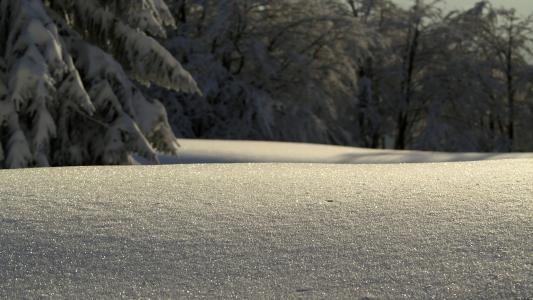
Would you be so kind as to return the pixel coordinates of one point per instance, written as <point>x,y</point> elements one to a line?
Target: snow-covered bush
<point>69,74</point>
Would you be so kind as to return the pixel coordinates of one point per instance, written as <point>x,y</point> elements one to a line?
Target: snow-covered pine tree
<point>68,81</point>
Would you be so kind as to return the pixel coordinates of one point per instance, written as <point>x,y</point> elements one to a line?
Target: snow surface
<point>399,231</point>
<point>225,151</point>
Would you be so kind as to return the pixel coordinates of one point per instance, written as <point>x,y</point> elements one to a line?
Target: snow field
<point>447,230</point>
<point>227,151</point>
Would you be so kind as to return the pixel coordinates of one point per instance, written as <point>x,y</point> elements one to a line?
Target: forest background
<point>93,82</point>
<point>365,73</point>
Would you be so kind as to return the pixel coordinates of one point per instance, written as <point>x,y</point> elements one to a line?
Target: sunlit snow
<point>224,151</point>
<point>274,230</point>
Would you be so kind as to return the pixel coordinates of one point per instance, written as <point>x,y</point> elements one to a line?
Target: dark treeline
<point>355,72</point>
<point>98,81</point>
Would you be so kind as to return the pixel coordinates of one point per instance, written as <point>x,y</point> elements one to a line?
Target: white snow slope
<point>272,230</point>
<point>219,151</point>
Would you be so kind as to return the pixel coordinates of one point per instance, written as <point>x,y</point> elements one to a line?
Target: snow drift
<point>396,231</point>
<point>226,151</point>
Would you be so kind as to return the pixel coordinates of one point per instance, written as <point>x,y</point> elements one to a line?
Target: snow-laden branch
<point>148,61</point>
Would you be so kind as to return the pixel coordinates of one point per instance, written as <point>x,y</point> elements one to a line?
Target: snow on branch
<point>39,71</point>
<point>64,101</point>
<point>116,97</point>
<point>148,61</point>
<point>150,16</point>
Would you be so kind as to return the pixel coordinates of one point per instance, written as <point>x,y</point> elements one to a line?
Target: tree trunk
<point>402,133</point>
<point>407,84</point>
<point>182,12</point>
<point>510,91</point>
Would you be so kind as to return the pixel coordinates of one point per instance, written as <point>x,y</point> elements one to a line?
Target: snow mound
<point>225,151</point>
<point>400,231</point>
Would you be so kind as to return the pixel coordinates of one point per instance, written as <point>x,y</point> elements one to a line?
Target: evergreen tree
<point>69,76</point>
